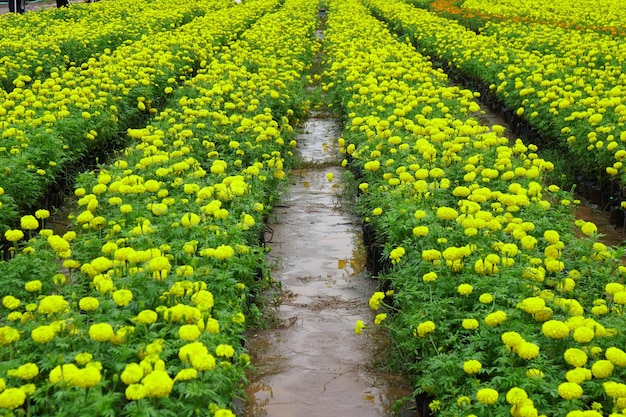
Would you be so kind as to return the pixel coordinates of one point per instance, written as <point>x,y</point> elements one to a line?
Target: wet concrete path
<point>315,365</point>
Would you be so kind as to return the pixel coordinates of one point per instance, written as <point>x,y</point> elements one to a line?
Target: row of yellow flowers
<point>497,301</point>
<point>35,44</point>
<point>140,308</point>
<point>50,124</point>
<point>595,13</point>
<point>540,73</point>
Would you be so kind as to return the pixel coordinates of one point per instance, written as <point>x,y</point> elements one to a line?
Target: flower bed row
<point>573,99</point>
<point>36,44</point>
<point>598,13</point>
<point>140,309</point>
<point>476,14</point>
<point>52,123</point>
<point>497,301</point>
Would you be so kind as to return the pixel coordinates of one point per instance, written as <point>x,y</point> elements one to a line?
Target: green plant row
<point>51,124</point>
<point>37,44</point>
<point>496,300</point>
<point>141,308</point>
<point>594,15</point>
<point>575,100</point>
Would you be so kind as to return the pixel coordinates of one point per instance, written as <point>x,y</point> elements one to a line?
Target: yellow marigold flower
<point>376,299</point>
<point>88,377</point>
<point>161,266</point>
<point>126,208</point>
<point>12,316</point>
<point>203,299</point>
<point>189,332</point>
<point>158,209</point>
<point>419,231</point>
<point>396,254</point>
<point>183,312</point>
<point>42,214</point>
<point>203,362</point>
<point>496,318</point>
<point>613,288</point>
<point>463,401</point>
<point>486,298</point>
<point>578,375</point>
<point>223,252</point>
<point>533,305</point>
<point>509,250</point>
<point>575,357</point>
<point>147,317</point>
<point>552,236</point>
<point>469,324</point>
<point>83,358</point>
<point>248,220</point>
<point>425,328</point>
<point>534,373</point>
<point>465,289</point>
<point>238,318</point>
<point>528,242</point>
<point>13,235</point>
<point>101,332</point>
<point>555,329</point>
<point>33,286</point>
<point>212,326</point>
<point>135,392</point>
<point>11,398</point>
<point>88,303</point>
<point>377,211</point>
<point>589,229</point>
<point>595,119</point>
<point>487,396</point>
<point>380,318</point>
<point>584,335</point>
<point>190,350</point>
<point>447,213</point>
<point>26,371</point>
<point>224,350</point>
<point>516,396</point>
<point>372,165</point>
<point>431,255</point>
<point>186,374</point>
<point>223,412</point>
<point>190,219</point>
<point>527,350</point>
<point>62,373</point>
<point>11,303</point>
<point>59,244</point>
<point>29,222</point>
<point>570,390</point>
<point>472,366</point>
<point>132,373</point>
<point>43,334</point>
<point>122,297</point>
<point>358,327</point>
<point>429,277</point>
<point>616,355</point>
<point>614,389</point>
<point>620,298</point>
<point>602,368</point>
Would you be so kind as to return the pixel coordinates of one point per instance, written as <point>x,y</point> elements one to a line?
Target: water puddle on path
<point>315,365</point>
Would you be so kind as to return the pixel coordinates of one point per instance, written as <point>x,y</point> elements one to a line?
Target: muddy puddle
<point>314,364</point>
<point>609,234</point>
